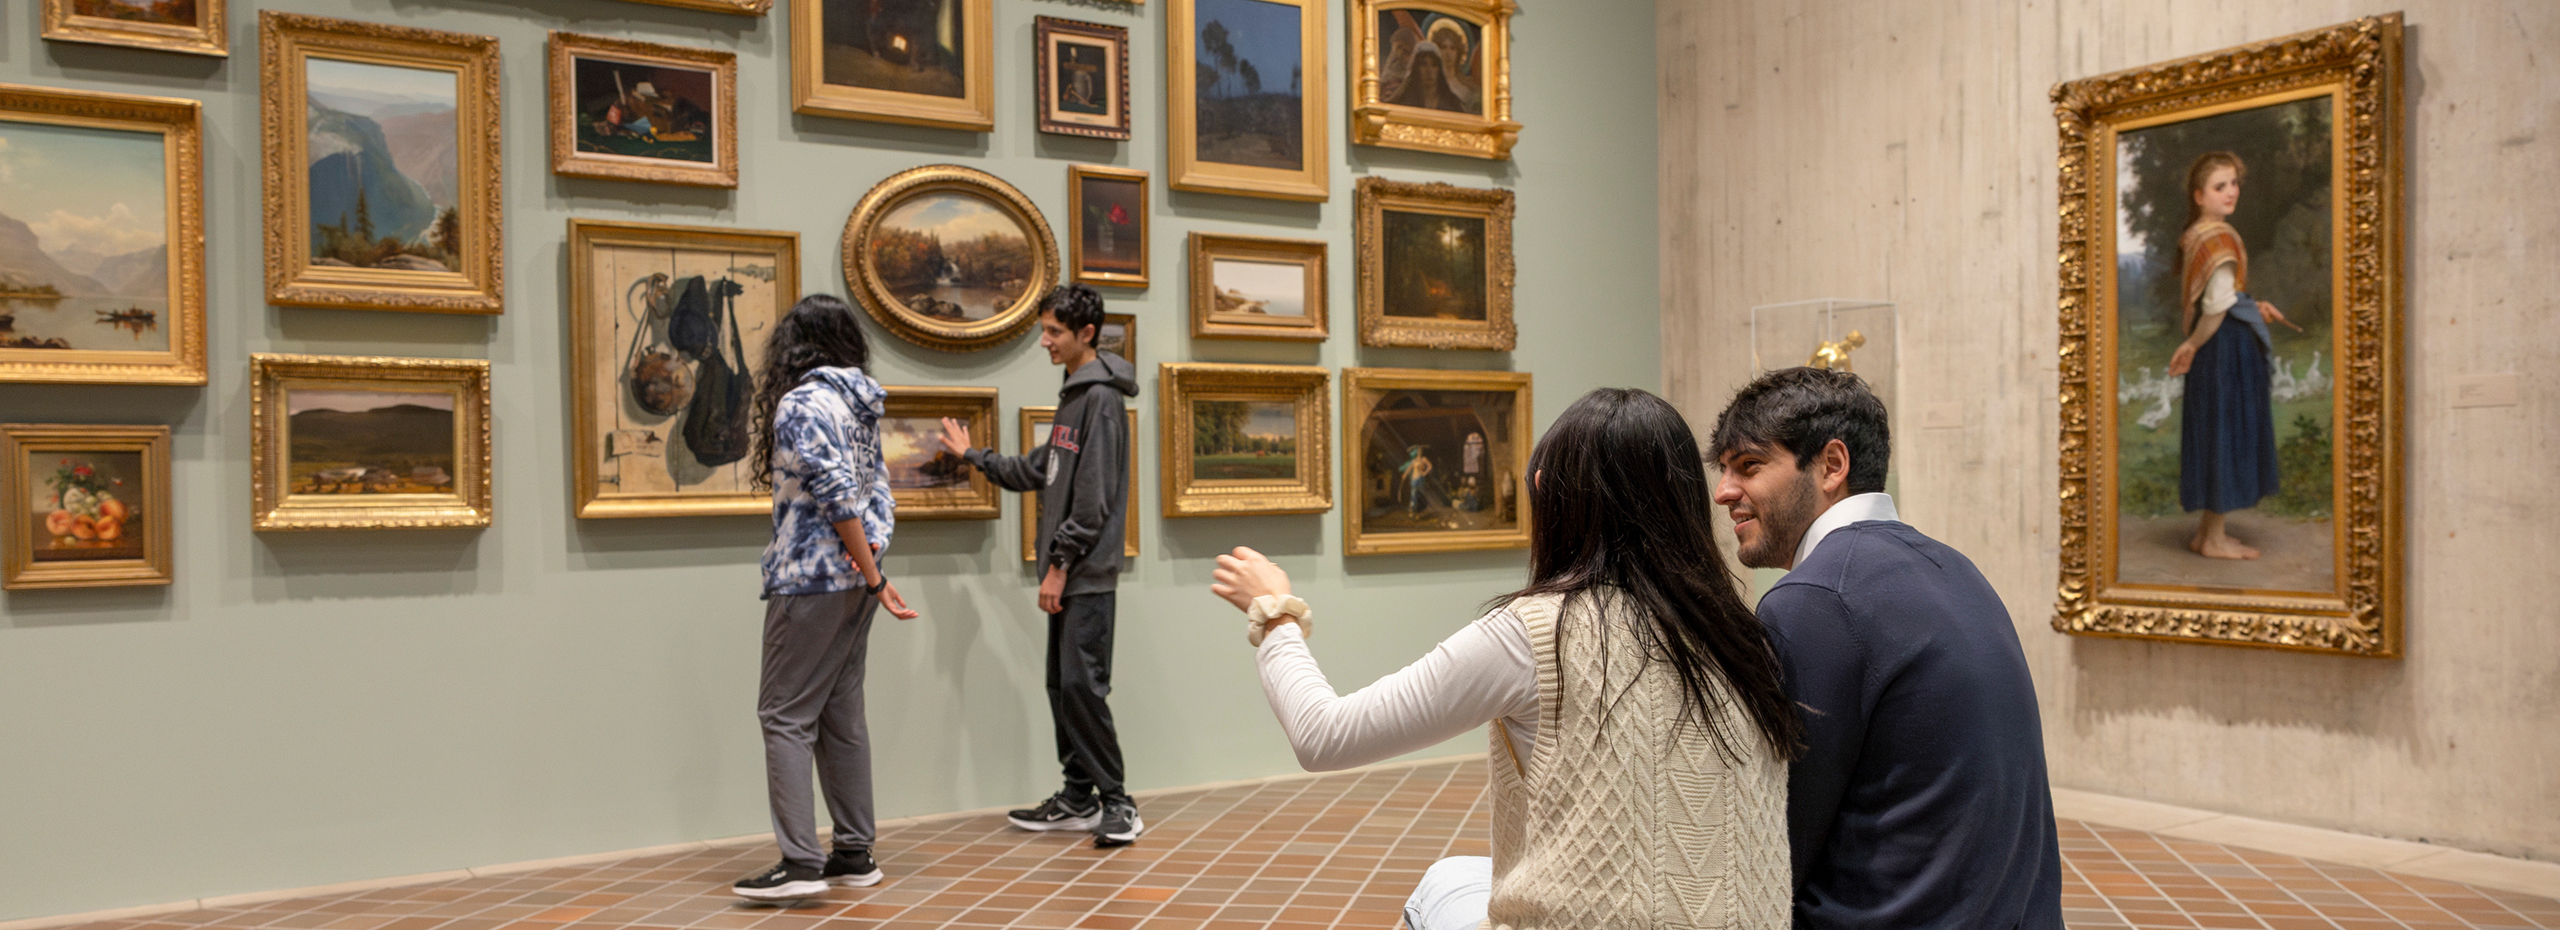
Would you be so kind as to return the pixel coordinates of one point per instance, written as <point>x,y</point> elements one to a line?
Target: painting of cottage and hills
<point>384,171</point>
<point>84,239</point>
<point>369,442</point>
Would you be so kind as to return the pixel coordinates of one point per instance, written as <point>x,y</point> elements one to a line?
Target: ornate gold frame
<point>1362,388</point>
<point>567,47</point>
<point>1033,418</point>
<point>1208,322</point>
<point>1376,196</point>
<point>2359,65</point>
<point>975,406</point>
<point>1076,176</point>
<point>974,110</point>
<point>1179,384</point>
<point>1376,122</point>
<point>892,311</point>
<point>740,7</point>
<point>212,38</point>
<point>1045,31</point>
<point>273,506</point>
<point>588,360</point>
<point>284,41</point>
<point>180,124</point>
<point>1188,173</point>
<point>22,441</point>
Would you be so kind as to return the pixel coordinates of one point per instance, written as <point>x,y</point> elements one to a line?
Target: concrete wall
<point>313,708</point>
<point>1906,151</point>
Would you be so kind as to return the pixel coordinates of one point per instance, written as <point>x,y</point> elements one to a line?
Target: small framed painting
<point>1244,439</point>
<point>89,505</point>
<point>1109,207</point>
<point>931,482</point>
<point>1251,287</point>
<point>949,257</point>
<point>1119,336</point>
<point>1435,265</point>
<point>1083,77</point>
<point>1035,433</point>
<point>344,442</point>
<point>382,180</point>
<point>919,62</point>
<point>1244,84</point>
<point>639,111</point>
<point>194,27</point>
<point>1434,461</point>
<point>1433,76</point>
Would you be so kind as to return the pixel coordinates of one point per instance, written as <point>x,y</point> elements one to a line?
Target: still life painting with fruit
<point>85,512</point>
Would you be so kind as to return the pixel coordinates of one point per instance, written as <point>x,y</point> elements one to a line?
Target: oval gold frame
<point>917,328</point>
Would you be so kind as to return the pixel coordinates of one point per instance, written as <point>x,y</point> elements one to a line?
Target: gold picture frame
<point>935,303</point>
<point>1119,336</point>
<point>1213,464</point>
<point>1435,265</point>
<point>2317,117</point>
<point>739,7</point>
<point>1035,421</point>
<point>920,469</point>
<point>146,323</point>
<point>350,442</point>
<point>1068,100</point>
<point>73,521</point>
<point>1435,461</point>
<point>390,252</point>
<point>1460,107</point>
<point>1221,141</point>
<point>207,33</point>
<point>902,91</point>
<point>634,383</point>
<point>1109,242</point>
<point>645,109</point>
<point>1257,287</point>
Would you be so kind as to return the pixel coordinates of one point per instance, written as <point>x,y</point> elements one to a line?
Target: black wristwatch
<point>875,589</point>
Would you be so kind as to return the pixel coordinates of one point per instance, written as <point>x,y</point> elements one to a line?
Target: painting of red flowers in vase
<point>88,508</point>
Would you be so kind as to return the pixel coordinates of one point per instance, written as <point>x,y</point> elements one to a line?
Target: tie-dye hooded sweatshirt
<point>826,468</point>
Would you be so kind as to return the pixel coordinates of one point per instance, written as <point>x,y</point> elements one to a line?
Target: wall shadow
<point>1275,535</point>
<point>1377,357</point>
<point>1239,209</point>
<point>54,607</point>
<point>109,403</point>
<point>369,565</point>
<point>1084,149</point>
<point>2228,686</point>
<point>668,542</point>
<point>1366,159</point>
<point>584,196</point>
<point>436,335</point>
<point>837,130</point>
<point>160,70</point>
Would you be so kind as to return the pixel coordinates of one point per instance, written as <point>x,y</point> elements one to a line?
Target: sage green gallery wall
<point>300,709</point>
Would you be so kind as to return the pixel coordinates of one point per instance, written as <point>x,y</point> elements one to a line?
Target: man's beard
<point>1783,523</point>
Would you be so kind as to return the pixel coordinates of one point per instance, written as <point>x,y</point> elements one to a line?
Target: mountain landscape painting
<point>384,167</point>
<point>84,238</point>
<point>369,442</point>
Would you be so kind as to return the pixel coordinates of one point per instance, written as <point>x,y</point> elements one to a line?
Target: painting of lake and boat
<point>84,238</point>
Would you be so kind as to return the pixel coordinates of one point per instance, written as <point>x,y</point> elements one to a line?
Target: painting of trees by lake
<point>953,256</point>
<point>384,168</point>
<point>1243,440</point>
<point>1248,83</point>
<point>84,238</point>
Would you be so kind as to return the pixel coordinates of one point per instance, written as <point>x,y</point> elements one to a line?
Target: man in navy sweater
<point>1921,800</point>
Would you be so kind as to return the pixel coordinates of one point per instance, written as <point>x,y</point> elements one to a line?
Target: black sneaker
<point>784,882</point>
<point>1119,824</point>
<point>1057,813</point>
<point>852,868</point>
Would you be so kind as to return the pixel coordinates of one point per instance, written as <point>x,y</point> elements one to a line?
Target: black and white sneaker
<point>851,868</point>
<point>783,882</point>
<point>1057,813</point>
<point>1119,824</point>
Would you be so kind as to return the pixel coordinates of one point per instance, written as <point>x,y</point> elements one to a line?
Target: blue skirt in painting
<point>2227,437</point>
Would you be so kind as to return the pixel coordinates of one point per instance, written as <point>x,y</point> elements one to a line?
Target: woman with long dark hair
<point>1640,731</point>
<point>818,422</point>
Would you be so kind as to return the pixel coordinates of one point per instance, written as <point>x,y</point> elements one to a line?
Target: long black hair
<point>819,332</point>
<point>1619,498</point>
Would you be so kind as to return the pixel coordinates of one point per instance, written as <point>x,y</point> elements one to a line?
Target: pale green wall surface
<point>300,709</point>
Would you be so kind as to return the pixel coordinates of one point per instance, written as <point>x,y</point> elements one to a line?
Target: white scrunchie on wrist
<point>1269,607</point>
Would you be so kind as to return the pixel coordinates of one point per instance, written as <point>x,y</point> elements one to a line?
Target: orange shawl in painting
<point>2207,246</point>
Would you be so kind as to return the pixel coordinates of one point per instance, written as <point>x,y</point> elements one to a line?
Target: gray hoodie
<point>1088,456</point>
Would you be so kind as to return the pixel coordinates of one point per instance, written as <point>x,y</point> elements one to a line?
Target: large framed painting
<point>666,334</point>
<point>1434,461</point>
<point>194,27</point>
<point>639,111</point>
<point>1435,265</point>
<point>929,481</point>
<point>88,506</point>
<point>1244,84</point>
<point>1433,76</point>
<point>346,442</point>
<point>919,62</point>
<point>2231,359</point>
<point>1244,439</point>
<point>382,179</point>
<point>101,238</point>
<point>1035,433</point>
<point>949,257</point>
<point>1081,73</point>
<point>1256,287</point>
<point>1109,208</point>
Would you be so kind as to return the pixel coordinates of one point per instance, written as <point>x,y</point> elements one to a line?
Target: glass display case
<point>1848,335</point>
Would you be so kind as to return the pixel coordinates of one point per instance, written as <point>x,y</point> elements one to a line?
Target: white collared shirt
<point>1856,508</point>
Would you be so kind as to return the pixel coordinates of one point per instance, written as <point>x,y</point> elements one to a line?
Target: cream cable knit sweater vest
<point>1639,823</point>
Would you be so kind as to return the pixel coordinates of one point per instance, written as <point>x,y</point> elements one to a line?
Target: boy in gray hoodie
<point>1083,474</point>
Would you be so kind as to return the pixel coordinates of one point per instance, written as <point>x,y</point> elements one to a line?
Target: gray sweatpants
<point>809,699</point>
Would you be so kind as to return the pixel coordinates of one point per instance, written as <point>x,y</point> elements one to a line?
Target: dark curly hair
<point>819,332</point>
<point>1802,410</point>
<point>1076,307</point>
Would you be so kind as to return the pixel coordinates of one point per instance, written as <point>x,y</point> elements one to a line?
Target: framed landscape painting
<point>101,238</point>
<point>1434,461</point>
<point>929,481</point>
<point>1435,265</point>
<point>343,442</point>
<point>88,506</point>
<point>1082,72</point>
<point>638,111</point>
<point>1246,98</point>
<point>1243,439</point>
<point>1433,76</point>
<point>382,180</point>
<point>1035,433</point>
<point>1108,246</point>
<point>920,62</point>
<point>949,257</point>
<point>1254,287</point>
<point>667,327</point>
<point>2231,250</point>
<point>194,27</point>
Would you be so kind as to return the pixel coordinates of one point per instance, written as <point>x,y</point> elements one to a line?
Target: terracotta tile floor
<point>1337,851</point>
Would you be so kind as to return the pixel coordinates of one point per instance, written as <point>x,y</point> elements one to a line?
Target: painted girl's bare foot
<point>2225,547</point>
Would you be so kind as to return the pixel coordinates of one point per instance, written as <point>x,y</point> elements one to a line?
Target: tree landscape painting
<point>952,256</point>
<point>369,442</point>
<point>1248,83</point>
<point>1434,265</point>
<point>1244,440</point>
<point>384,170</point>
<point>84,238</point>
<point>906,46</point>
<point>1436,461</point>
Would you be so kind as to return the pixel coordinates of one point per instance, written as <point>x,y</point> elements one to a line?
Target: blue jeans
<point>1452,895</point>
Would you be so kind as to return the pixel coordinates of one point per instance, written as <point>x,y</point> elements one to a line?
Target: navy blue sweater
<point>1922,801</point>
